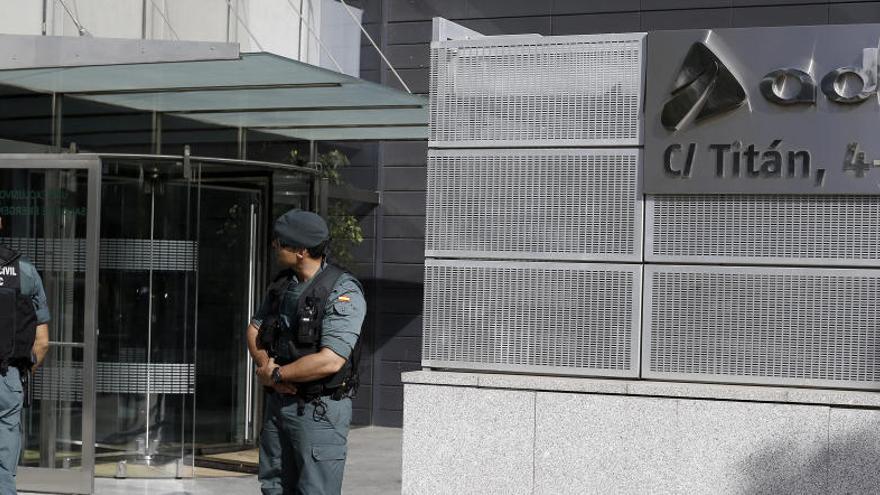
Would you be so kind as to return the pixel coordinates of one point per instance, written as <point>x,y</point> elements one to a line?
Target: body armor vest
<point>286,344</point>
<point>18,318</point>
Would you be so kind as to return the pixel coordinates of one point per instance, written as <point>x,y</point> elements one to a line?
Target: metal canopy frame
<point>254,91</point>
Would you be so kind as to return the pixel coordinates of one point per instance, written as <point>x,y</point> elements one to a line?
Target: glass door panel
<point>227,262</point>
<point>148,293</point>
<point>50,206</point>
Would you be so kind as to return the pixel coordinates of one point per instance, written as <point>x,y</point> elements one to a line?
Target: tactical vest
<point>286,344</point>
<point>18,318</point>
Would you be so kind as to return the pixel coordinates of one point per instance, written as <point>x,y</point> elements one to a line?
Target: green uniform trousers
<point>303,455</point>
<point>11,399</point>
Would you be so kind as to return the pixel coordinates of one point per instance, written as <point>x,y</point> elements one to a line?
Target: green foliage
<point>345,229</point>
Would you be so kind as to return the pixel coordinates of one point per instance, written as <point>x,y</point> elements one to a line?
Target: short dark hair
<point>319,251</point>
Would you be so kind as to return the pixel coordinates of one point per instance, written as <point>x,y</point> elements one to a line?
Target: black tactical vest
<point>303,336</point>
<point>18,318</point>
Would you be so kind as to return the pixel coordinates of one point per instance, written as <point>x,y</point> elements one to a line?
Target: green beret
<point>302,229</point>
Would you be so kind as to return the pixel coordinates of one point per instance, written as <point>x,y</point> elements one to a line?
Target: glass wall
<point>148,301</point>
<point>47,207</point>
<point>184,254</point>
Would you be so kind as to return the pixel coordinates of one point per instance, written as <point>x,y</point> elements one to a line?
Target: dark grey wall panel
<point>371,75</point>
<point>405,153</point>
<point>403,349</point>
<point>389,418</point>
<point>372,10</point>
<point>686,19</point>
<point>506,8</point>
<point>854,13</point>
<point>752,3</point>
<point>391,395</point>
<point>401,326</point>
<point>403,250</point>
<point>416,79</point>
<point>361,177</point>
<point>407,227</point>
<point>412,274</point>
<point>364,250</point>
<point>780,16</point>
<point>404,203</point>
<point>406,178</point>
<point>393,369</point>
<point>375,31</point>
<point>683,4</point>
<point>511,25</point>
<point>360,415</point>
<point>415,56</point>
<point>409,32</point>
<point>597,23</point>
<point>370,58</point>
<point>423,10</point>
<point>368,226</point>
<point>561,7</point>
<point>394,301</point>
<point>362,271</point>
<point>363,155</point>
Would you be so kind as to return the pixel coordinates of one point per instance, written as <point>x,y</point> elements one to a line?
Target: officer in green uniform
<point>19,281</point>
<point>304,439</point>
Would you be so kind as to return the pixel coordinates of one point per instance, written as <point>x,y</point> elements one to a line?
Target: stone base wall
<point>485,434</point>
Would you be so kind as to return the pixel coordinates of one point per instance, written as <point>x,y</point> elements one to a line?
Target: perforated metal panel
<point>65,382</point>
<point>785,326</point>
<point>131,378</point>
<point>779,230</point>
<point>537,91</point>
<point>564,204</point>
<point>61,383</point>
<point>116,254</point>
<point>560,318</point>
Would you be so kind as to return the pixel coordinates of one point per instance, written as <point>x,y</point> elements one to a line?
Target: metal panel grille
<point>58,383</point>
<point>787,326</point>
<point>131,378</point>
<point>549,204</point>
<point>51,255</point>
<point>65,383</point>
<point>60,255</point>
<point>837,230</point>
<point>562,318</point>
<point>537,91</point>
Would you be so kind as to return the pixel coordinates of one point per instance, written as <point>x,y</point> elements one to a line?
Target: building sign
<point>792,110</point>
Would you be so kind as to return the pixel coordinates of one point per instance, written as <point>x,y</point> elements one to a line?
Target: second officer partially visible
<point>304,342</point>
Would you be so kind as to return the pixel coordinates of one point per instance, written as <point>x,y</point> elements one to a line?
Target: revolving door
<point>179,264</point>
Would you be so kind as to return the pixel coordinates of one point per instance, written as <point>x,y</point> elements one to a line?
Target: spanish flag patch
<point>344,298</point>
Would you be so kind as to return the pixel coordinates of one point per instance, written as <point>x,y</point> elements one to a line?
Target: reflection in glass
<point>44,215</point>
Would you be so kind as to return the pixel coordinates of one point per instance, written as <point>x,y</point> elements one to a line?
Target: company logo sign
<point>704,88</point>
<point>845,85</point>
<point>829,148</point>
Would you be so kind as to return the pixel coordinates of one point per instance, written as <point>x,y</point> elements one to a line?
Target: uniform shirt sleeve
<point>343,316</point>
<point>37,293</point>
<point>261,313</point>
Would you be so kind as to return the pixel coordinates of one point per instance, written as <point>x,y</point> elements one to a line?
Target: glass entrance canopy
<point>257,91</point>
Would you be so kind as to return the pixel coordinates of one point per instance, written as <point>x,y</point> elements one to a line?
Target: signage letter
<point>788,87</point>
<point>667,160</point>
<point>835,83</point>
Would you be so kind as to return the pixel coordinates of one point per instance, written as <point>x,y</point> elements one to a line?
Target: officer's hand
<point>264,373</point>
<point>285,388</point>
